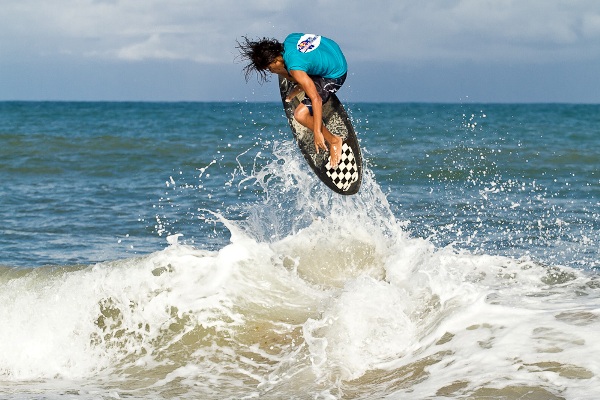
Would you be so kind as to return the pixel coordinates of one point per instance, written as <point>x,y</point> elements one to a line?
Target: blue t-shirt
<point>314,54</point>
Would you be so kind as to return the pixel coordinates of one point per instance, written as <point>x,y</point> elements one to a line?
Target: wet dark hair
<point>259,54</point>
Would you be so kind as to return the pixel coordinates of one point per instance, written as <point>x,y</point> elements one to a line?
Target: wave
<point>316,295</point>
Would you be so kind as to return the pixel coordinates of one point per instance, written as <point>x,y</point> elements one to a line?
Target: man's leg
<point>302,115</point>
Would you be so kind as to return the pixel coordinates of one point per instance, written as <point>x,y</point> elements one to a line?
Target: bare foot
<point>335,151</point>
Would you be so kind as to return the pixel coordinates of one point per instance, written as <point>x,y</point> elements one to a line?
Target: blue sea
<point>186,251</point>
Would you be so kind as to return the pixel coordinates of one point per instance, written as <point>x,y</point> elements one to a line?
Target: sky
<point>398,50</point>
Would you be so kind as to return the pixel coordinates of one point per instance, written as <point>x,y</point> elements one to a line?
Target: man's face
<point>277,66</point>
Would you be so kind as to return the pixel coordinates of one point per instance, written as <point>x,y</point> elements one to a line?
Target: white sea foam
<point>336,301</point>
<point>393,315</point>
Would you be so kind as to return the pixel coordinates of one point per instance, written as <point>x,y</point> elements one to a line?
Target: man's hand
<point>319,141</point>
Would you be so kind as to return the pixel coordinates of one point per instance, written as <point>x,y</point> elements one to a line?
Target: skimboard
<point>347,176</point>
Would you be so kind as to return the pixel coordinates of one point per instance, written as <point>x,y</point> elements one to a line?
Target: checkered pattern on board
<point>346,172</point>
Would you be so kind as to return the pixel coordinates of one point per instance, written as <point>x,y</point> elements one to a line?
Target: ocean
<point>186,251</point>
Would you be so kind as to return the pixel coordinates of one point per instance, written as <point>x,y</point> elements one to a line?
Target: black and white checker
<point>346,172</point>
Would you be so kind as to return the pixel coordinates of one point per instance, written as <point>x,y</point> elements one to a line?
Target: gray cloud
<point>397,33</point>
<point>203,31</point>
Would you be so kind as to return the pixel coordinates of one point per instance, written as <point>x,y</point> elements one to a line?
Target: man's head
<point>260,54</point>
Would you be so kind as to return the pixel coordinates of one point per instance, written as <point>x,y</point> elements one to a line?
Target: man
<point>316,64</point>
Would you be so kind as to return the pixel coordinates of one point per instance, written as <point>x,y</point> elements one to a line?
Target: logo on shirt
<point>308,43</point>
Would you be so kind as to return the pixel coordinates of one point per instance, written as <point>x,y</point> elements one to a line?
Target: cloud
<point>476,30</point>
<point>590,26</point>
<point>153,47</point>
<point>401,31</point>
<point>131,30</point>
<point>398,38</point>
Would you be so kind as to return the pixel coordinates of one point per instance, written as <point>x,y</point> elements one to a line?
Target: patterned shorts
<point>325,87</point>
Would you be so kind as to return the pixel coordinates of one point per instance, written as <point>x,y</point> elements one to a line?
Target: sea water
<point>185,251</point>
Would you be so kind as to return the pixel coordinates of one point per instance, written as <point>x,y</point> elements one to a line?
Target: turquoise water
<point>177,250</point>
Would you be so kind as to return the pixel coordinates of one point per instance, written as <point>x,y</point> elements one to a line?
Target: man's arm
<point>310,90</point>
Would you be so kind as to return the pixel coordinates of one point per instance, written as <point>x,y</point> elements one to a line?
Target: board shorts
<point>325,87</point>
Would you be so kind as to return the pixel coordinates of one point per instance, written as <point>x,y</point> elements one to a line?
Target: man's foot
<point>335,151</point>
